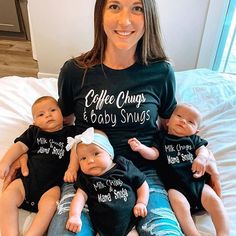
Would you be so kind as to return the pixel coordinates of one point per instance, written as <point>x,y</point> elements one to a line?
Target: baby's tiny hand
<point>74,224</point>
<point>134,144</point>
<point>140,209</point>
<point>70,176</point>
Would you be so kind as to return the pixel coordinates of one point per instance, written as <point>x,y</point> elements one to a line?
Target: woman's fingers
<point>20,163</point>
<point>23,164</point>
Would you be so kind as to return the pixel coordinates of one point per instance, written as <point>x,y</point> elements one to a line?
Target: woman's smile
<point>124,33</point>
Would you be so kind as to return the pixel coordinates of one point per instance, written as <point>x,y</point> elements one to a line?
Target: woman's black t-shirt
<point>123,103</point>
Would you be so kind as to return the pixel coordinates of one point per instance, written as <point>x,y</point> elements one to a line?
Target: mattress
<point>213,93</point>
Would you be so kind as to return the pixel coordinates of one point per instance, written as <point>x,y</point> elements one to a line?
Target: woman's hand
<point>20,163</point>
<point>214,182</point>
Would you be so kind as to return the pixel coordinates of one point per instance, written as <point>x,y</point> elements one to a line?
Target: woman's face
<point>123,23</point>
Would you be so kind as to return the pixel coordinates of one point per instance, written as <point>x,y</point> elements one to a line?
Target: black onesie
<point>112,196</point>
<point>47,162</point>
<point>175,163</point>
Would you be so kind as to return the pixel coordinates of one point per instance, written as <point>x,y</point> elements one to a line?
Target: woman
<point>122,86</point>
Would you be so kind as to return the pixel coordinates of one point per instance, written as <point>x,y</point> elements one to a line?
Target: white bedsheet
<point>213,93</point>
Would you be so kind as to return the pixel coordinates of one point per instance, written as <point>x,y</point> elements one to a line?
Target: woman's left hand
<point>20,163</point>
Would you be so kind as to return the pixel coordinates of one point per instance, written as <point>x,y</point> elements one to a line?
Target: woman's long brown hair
<point>149,47</point>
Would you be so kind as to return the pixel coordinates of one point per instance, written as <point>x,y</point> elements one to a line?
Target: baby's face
<point>183,122</point>
<point>93,160</point>
<point>47,116</point>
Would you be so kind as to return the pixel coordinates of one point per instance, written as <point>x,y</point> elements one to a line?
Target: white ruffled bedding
<point>213,93</point>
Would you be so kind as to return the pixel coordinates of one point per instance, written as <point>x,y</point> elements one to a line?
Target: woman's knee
<point>57,226</point>
<point>160,219</point>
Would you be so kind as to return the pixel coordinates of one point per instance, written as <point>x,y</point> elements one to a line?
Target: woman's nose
<point>124,17</point>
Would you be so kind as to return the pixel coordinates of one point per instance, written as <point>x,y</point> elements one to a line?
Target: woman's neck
<point>119,59</point>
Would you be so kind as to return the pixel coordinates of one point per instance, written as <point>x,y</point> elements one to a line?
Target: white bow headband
<point>88,137</point>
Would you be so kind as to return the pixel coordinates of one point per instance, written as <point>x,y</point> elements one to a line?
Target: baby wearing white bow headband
<point>113,187</point>
<point>89,136</point>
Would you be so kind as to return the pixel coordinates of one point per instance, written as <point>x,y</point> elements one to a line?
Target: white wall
<point>64,28</point>
<point>60,29</point>
<point>182,23</point>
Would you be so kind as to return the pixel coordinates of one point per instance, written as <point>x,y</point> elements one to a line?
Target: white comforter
<point>213,93</point>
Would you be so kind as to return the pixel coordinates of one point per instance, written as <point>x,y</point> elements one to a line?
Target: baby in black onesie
<point>178,152</point>
<point>116,191</point>
<point>45,143</point>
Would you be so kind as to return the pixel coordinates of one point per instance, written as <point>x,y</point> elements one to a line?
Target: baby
<point>115,190</point>
<point>45,143</point>
<point>176,151</point>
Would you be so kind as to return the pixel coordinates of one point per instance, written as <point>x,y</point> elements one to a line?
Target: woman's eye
<point>138,9</point>
<point>114,7</point>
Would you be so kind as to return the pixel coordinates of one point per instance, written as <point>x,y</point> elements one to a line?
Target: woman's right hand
<point>20,163</point>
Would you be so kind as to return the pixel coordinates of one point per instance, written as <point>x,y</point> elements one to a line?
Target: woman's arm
<point>211,169</point>
<point>20,163</point>
<point>206,158</point>
<point>13,153</point>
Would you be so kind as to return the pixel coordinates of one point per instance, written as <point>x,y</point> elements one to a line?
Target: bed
<point>213,93</point>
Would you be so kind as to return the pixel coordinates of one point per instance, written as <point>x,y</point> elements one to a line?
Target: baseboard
<point>46,75</point>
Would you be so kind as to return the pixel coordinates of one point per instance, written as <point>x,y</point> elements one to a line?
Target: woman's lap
<point>57,225</point>
<point>159,221</point>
